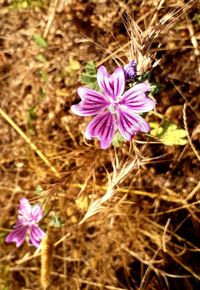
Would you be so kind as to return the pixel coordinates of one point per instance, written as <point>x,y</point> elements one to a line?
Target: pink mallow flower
<point>28,218</point>
<point>112,108</point>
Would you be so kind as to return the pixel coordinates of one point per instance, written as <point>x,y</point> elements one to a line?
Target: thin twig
<point>187,131</point>
<point>51,17</point>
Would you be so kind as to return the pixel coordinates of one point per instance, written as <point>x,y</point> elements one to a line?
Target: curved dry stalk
<point>117,177</point>
<point>28,140</point>
<point>187,131</point>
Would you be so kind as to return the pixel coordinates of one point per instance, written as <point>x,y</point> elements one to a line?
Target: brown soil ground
<point>147,235</point>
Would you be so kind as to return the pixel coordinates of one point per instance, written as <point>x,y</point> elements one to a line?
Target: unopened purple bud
<point>130,70</point>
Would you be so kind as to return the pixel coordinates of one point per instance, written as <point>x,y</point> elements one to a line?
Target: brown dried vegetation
<point>130,216</point>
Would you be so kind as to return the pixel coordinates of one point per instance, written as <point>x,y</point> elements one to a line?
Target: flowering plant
<point>28,218</point>
<point>113,108</point>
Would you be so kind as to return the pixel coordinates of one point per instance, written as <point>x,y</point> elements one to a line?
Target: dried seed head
<point>46,260</point>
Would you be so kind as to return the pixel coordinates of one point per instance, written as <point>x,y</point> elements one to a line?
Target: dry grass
<point>129,215</point>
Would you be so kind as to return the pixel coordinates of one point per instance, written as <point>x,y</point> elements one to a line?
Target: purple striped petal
<point>24,209</point>
<point>102,127</point>
<point>136,100</point>
<point>129,124</point>
<point>136,90</point>
<point>18,235</point>
<point>112,85</point>
<point>36,235</point>
<point>92,102</point>
<point>18,224</point>
<point>37,213</point>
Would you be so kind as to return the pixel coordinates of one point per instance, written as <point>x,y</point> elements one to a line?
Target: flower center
<point>113,108</point>
<point>27,220</point>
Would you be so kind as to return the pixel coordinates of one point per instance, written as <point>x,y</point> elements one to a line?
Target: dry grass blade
<point>188,134</point>
<point>28,140</point>
<point>119,174</point>
<point>47,250</point>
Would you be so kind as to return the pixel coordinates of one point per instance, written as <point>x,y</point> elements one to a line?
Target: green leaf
<point>38,189</point>
<point>89,77</point>
<point>41,58</point>
<point>24,4</point>
<point>44,76</point>
<point>2,237</point>
<point>55,220</point>
<point>168,133</point>
<point>144,77</point>
<point>42,94</point>
<point>40,41</point>
<point>197,18</point>
<point>6,286</point>
<point>118,140</point>
<point>31,117</point>
<point>72,67</point>
<point>156,88</point>
<point>31,114</point>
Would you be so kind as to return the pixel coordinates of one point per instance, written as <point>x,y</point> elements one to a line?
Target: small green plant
<point>23,4</point>
<point>42,94</point>
<point>40,41</point>
<point>31,118</point>
<point>41,58</point>
<point>44,76</point>
<point>89,76</point>
<point>196,18</point>
<point>32,114</point>
<point>39,189</point>
<point>6,286</point>
<point>168,133</point>
<point>2,237</point>
<point>55,220</point>
<point>118,140</point>
<point>72,67</point>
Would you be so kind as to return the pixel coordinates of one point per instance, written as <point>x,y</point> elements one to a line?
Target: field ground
<point>147,235</point>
